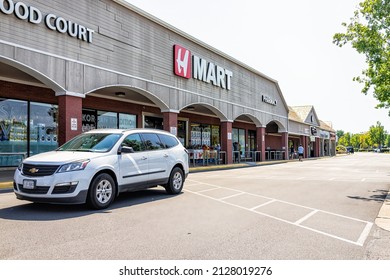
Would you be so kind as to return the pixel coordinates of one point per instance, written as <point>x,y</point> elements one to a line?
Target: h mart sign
<point>187,65</point>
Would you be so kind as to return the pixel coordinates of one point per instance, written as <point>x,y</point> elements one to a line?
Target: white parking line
<point>261,205</point>
<point>359,242</point>
<point>301,220</point>
<point>233,195</point>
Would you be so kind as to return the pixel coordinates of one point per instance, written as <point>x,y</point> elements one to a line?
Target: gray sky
<point>289,41</point>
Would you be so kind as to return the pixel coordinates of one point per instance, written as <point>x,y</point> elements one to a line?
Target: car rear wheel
<point>176,181</point>
<point>101,192</point>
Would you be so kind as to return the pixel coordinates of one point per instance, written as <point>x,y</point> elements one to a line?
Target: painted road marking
<point>338,227</point>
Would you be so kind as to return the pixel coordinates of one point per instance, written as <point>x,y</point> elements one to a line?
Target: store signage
<point>324,134</point>
<point>52,21</point>
<point>187,65</point>
<point>269,100</point>
<point>313,130</point>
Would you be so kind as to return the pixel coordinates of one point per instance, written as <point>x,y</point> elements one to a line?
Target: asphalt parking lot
<point>317,209</point>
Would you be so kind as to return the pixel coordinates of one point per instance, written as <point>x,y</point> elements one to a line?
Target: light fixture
<point>190,108</point>
<point>120,93</point>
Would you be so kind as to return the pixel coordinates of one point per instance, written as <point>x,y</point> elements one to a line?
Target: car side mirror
<point>125,150</point>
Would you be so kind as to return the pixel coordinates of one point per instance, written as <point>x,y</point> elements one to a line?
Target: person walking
<point>300,152</point>
<point>292,152</point>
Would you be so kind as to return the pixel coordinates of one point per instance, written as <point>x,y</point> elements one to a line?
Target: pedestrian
<point>292,152</point>
<point>300,152</point>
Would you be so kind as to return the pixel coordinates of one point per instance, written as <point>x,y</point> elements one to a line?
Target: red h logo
<point>182,62</point>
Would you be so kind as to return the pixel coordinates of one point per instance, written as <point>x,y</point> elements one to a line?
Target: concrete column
<point>226,140</point>
<point>69,117</point>
<point>260,135</point>
<point>170,122</point>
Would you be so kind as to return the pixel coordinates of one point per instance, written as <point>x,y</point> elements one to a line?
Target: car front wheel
<point>176,181</point>
<point>101,192</point>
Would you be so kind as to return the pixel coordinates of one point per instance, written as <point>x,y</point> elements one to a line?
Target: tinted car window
<point>91,142</point>
<point>168,140</point>
<point>134,141</point>
<point>152,141</point>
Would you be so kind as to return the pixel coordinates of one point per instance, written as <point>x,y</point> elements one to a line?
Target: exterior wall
<point>298,128</point>
<point>130,49</point>
<point>20,91</point>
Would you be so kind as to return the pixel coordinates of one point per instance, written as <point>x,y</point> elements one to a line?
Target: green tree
<point>377,134</point>
<point>387,142</point>
<point>365,140</point>
<point>345,140</point>
<point>339,133</point>
<point>355,141</point>
<point>369,33</point>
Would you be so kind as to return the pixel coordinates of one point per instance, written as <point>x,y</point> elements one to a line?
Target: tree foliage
<point>369,33</point>
<point>376,137</point>
<point>377,134</point>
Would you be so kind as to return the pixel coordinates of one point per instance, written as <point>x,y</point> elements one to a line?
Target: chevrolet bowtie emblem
<point>33,170</point>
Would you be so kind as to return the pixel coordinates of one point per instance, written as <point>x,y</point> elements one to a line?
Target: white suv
<point>96,166</point>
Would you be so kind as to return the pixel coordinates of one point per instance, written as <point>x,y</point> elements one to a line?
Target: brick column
<point>69,117</point>
<point>226,140</point>
<point>285,144</point>
<point>260,139</point>
<point>317,147</point>
<point>304,145</point>
<point>170,122</point>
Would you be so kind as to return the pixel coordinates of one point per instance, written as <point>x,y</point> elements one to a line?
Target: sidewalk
<point>6,178</point>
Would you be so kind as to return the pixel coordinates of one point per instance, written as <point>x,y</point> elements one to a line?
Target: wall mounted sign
<point>52,21</point>
<point>187,65</point>
<point>269,100</point>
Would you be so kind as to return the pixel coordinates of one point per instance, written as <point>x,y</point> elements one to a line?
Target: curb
<point>6,187</point>
<point>383,218</point>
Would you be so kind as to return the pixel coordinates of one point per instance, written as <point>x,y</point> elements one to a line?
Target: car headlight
<point>73,166</point>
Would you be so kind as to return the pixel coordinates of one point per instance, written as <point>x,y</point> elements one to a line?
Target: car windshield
<point>91,142</point>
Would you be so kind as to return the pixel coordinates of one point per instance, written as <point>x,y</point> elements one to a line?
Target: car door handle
<point>144,158</point>
<point>166,156</point>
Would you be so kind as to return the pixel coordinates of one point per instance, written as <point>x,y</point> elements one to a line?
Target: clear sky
<point>289,41</point>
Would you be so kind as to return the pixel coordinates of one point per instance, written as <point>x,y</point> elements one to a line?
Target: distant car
<point>96,166</point>
<point>350,150</point>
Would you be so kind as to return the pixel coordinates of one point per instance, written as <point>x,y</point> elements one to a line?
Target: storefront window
<point>100,119</point>
<point>215,135</point>
<point>89,120</point>
<point>127,121</point>
<point>153,122</point>
<point>252,140</point>
<point>182,132</point>
<point>26,129</point>
<point>200,135</point>
<point>107,119</point>
<point>13,131</point>
<point>239,141</point>
<point>43,128</point>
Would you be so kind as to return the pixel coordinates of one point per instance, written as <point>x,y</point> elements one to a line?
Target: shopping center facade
<point>68,67</point>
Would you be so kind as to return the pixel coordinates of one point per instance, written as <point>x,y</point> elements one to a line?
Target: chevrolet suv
<point>98,165</point>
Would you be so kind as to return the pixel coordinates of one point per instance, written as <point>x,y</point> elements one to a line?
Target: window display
<point>93,119</point>
<point>43,128</point>
<point>26,128</point>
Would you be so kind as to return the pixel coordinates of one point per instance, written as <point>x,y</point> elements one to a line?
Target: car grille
<point>36,190</point>
<point>35,170</point>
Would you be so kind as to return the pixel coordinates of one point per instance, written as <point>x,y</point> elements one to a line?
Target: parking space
<point>333,225</point>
